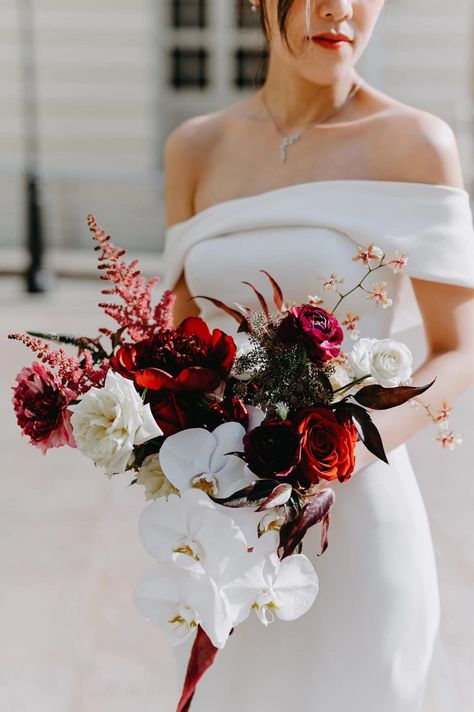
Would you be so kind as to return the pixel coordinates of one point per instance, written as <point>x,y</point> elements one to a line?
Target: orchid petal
<point>296,586</point>
<point>185,455</point>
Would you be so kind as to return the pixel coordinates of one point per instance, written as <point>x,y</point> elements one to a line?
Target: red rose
<point>273,448</point>
<point>314,327</point>
<point>327,446</point>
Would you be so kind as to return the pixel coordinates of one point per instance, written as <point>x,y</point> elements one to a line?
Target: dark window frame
<point>178,78</point>
<point>178,14</point>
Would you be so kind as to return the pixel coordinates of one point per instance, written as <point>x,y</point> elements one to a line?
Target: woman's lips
<point>329,44</point>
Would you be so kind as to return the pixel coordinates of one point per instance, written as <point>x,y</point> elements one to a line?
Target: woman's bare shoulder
<point>187,149</point>
<point>417,145</point>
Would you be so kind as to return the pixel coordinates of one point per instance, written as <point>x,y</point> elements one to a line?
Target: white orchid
<point>192,525</point>
<point>386,361</point>
<point>286,589</point>
<point>179,598</point>
<point>107,423</point>
<point>197,458</point>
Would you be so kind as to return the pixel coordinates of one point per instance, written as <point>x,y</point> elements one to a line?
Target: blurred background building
<point>114,77</point>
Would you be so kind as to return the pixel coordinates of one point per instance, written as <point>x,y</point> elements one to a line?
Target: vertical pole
<point>36,278</point>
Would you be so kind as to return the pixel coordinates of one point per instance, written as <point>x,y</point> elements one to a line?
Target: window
<point>250,67</point>
<point>245,17</point>
<point>189,13</point>
<point>189,67</point>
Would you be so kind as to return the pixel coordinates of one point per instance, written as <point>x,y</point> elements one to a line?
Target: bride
<point>292,179</point>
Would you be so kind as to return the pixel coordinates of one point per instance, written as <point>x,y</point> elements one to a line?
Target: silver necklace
<point>289,139</point>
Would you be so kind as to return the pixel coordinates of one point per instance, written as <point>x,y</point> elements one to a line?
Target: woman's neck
<point>296,102</point>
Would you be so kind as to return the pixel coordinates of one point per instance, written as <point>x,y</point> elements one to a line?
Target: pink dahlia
<point>41,405</point>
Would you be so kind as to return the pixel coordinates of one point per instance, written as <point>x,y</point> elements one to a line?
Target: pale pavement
<point>72,640</point>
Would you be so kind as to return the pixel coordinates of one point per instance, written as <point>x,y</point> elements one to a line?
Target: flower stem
<point>352,383</point>
<point>370,270</point>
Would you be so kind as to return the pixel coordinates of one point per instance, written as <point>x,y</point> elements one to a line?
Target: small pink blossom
<point>449,440</point>
<point>379,295</point>
<point>41,405</point>
<point>443,412</point>
<point>398,263</point>
<point>332,283</point>
<point>367,254</point>
<point>314,300</point>
<point>350,322</point>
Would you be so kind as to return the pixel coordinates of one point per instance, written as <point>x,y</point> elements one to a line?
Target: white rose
<point>387,362</point>
<point>107,422</point>
<point>341,377</point>
<point>391,363</point>
<point>359,357</point>
<point>152,477</point>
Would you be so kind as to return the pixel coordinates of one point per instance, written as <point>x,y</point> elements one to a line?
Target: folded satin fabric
<point>432,223</point>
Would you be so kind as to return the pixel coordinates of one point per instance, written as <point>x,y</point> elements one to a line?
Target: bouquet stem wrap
<point>203,654</point>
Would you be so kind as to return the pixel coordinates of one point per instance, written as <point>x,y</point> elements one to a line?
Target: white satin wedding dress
<point>370,642</point>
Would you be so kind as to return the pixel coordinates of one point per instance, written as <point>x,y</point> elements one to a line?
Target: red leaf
<point>280,495</point>
<point>292,533</point>
<point>325,533</point>
<point>234,313</point>
<point>260,298</point>
<point>202,656</point>
<point>277,292</point>
<point>380,398</point>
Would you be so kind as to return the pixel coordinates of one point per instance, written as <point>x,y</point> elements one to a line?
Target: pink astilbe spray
<point>136,314</point>
<point>79,376</point>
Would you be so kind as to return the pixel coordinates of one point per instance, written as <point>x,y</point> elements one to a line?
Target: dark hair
<point>284,7</point>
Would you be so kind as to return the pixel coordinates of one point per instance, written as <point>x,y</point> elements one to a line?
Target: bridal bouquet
<point>235,448</point>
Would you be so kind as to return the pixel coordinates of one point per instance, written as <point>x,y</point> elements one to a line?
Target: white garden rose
<point>152,477</point>
<point>391,362</point>
<point>386,361</point>
<point>359,357</point>
<point>107,422</point>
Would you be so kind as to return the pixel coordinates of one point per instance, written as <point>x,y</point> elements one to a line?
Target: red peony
<point>41,406</point>
<point>171,412</point>
<point>188,358</point>
<point>314,327</point>
<point>328,447</point>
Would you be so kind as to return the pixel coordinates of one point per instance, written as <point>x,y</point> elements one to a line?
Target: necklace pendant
<point>288,141</point>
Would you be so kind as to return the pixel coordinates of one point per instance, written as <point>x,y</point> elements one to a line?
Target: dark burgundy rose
<point>188,358</point>
<point>327,445</point>
<point>318,330</point>
<point>273,448</point>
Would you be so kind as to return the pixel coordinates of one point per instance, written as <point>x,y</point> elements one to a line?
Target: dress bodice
<point>304,232</point>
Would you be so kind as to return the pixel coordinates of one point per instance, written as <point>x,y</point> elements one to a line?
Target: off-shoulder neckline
<point>317,183</point>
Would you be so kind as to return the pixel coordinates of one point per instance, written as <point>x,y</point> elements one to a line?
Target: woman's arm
<point>180,161</point>
<point>448,317</point>
<point>447,310</point>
